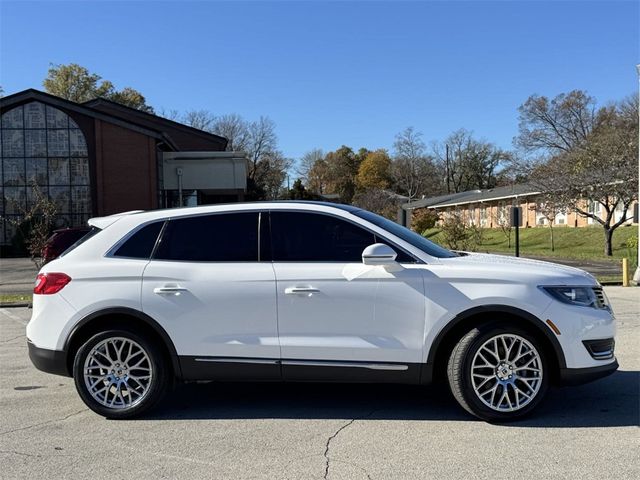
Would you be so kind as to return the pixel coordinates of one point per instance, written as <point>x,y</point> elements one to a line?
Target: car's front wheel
<point>498,373</point>
<point>120,374</point>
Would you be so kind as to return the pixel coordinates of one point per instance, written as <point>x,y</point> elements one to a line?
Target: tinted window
<point>407,235</point>
<point>309,237</point>
<point>84,238</point>
<point>140,244</point>
<point>211,238</point>
<point>402,256</point>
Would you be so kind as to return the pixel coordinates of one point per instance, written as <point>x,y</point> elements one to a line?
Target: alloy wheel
<point>506,372</point>
<point>118,373</point>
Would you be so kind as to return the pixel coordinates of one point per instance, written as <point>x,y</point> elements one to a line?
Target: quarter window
<point>211,238</point>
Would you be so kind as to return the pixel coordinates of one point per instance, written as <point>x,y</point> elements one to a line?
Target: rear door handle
<point>300,290</point>
<point>169,290</point>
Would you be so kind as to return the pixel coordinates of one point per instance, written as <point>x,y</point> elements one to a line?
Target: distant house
<point>99,158</point>
<point>490,208</point>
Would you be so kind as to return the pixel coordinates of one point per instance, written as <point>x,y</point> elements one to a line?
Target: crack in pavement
<point>12,339</point>
<point>336,433</point>
<point>22,454</point>
<point>35,455</point>
<point>6,432</point>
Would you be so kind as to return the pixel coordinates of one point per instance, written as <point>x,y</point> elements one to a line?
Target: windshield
<point>407,235</point>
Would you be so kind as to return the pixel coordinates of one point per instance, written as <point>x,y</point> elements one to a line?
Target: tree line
<point>578,154</point>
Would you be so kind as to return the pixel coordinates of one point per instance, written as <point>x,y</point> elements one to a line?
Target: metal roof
<point>474,196</point>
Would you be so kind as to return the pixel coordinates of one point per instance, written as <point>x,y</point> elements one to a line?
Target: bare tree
<point>261,142</point>
<point>469,163</point>
<point>412,171</point>
<point>379,201</point>
<point>549,206</point>
<point>169,114</point>
<point>556,125</point>
<point>235,129</point>
<point>306,163</point>
<point>597,165</point>
<point>266,166</point>
<point>34,223</point>
<point>200,119</point>
<point>502,220</point>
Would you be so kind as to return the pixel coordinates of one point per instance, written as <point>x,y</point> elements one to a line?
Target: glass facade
<point>41,145</point>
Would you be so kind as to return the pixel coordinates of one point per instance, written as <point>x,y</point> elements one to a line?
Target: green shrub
<point>423,219</point>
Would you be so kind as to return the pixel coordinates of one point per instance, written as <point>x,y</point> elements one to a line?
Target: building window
<point>41,145</point>
<point>594,208</point>
<point>540,219</point>
<point>503,214</point>
<point>483,216</point>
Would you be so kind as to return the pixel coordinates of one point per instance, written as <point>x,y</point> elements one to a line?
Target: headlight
<point>592,297</point>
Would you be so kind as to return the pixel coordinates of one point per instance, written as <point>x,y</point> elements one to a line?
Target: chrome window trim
<point>110,253</point>
<point>208,214</point>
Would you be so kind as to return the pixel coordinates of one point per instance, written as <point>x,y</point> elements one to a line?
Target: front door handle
<point>169,290</point>
<point>300,290</point>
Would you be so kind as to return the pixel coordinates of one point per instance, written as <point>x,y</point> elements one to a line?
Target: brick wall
<point>490,214</point>
<point>126,174</point>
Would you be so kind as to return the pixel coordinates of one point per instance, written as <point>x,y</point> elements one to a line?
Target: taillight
<point>50,283</point>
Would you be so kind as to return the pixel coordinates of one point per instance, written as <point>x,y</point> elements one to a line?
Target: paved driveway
<point>17,275</point>
<point>298,431</point>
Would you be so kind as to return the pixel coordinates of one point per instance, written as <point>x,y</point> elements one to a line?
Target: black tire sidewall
<point>159,380</point>
<point>468,392</point>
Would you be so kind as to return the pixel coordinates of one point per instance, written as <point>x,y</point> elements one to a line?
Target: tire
<point>119,374</point>
<point>498,373</point>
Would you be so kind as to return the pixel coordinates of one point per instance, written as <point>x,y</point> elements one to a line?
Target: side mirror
<point>379,254</point>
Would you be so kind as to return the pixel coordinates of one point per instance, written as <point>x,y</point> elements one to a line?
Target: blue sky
<point>333,73</point>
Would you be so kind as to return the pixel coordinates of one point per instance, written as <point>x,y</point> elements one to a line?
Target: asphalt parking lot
<point>304,431</point>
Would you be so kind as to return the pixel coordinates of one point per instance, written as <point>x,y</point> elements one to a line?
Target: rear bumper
<point>578,376</point>
<point>50,361</point>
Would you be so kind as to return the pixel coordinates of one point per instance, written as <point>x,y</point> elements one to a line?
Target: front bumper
<point>50,361</point>
<point>578,376</point>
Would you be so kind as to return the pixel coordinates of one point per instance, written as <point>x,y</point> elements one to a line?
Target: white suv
<point>308,291</point>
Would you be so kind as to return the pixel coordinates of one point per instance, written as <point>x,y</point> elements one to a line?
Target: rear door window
<point>226,237</point>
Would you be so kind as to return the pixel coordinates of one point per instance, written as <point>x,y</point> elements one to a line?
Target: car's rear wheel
<point>120,374</point>
<point>498,373</point>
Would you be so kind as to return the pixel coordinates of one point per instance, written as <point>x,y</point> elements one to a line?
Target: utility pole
<point>636,276</point>
<point>179,174</point>
<point>446,162</point>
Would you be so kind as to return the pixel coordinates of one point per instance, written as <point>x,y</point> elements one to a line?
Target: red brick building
<point>97,158</point>
<point>490,208</point>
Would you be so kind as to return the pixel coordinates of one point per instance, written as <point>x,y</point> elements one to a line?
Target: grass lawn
<point>15,298</point>
<point>578,243</point>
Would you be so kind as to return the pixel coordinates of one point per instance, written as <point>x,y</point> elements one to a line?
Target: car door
<point>337,318</point>
<point>208,288</point>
